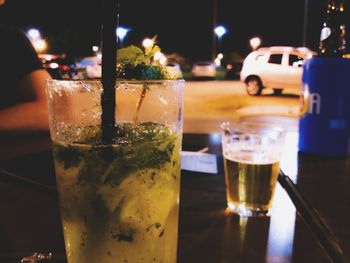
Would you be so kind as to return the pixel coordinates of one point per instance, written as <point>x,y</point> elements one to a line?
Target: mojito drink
<point>119,199</point>
<point>119,203</point>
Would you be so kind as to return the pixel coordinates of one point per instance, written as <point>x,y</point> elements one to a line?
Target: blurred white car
<point>92,65</point>
<point>94,71</point>
<point>204,69</point>
<point>277,67</point>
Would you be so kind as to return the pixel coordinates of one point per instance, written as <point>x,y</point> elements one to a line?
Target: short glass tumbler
<point>252,152</point>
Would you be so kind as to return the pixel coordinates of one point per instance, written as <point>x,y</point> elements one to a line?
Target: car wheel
<point>254,86</point>
<point>277,91</point>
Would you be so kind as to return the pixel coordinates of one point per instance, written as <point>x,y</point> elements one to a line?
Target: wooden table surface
<point>30,219</point>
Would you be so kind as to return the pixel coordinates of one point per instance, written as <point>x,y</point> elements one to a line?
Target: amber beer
<point>249,185</point>
<point>252,152</point>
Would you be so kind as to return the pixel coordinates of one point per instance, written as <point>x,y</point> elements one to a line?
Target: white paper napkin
<point>199,162</point>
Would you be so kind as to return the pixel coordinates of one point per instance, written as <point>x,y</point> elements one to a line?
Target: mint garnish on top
<point>138,64</point>
<point>148,145</point>
<point>134,63</point>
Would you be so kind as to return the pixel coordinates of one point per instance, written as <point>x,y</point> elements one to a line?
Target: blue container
<point>324,127</point>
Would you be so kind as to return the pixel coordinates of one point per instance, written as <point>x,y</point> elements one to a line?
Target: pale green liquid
<point>114,212</point>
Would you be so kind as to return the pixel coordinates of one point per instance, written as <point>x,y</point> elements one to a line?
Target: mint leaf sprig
<point>140,64</point>
<point>136,64</point>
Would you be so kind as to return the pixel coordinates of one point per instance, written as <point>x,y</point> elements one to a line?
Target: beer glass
<point>252,153</point>
<point>119,202</point>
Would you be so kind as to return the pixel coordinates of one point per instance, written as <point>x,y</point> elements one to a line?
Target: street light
<point>255,42</point>
<point>121,33</point>
<point>40,45</point>
<point>218,59</point>
<point>33,34</point>
<point>147,42</point>
<point>219,31</point>
<point>160,57</point>
<point>37,41</point>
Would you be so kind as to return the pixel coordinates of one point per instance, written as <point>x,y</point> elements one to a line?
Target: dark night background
<point>182,26</point>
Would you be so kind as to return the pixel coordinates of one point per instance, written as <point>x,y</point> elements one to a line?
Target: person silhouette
<point>23,107</point>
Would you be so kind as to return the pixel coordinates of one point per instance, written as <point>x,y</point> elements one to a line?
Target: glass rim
<point>118,81</point>
<point>230,126</point>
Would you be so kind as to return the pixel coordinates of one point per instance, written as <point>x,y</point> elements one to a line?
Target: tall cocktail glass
<point>119,202</point>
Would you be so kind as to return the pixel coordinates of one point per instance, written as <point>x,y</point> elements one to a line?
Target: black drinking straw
<point>312,218</point>
<point>110,17</point>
